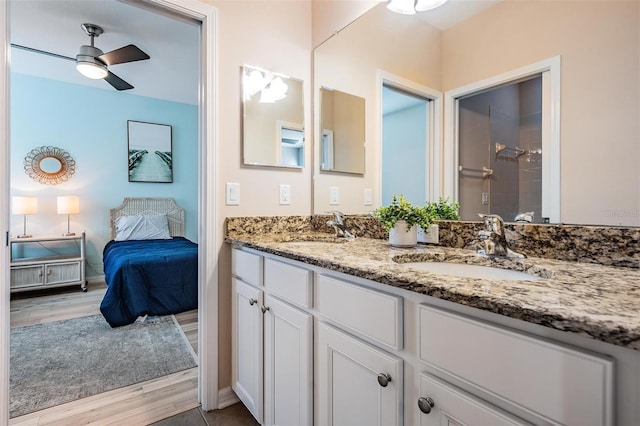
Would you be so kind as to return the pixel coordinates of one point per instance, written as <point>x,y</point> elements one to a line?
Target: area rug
<point>67,360</point>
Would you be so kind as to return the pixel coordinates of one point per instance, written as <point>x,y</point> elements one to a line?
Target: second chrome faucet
<point>339,225</point>
<point>494,238</point>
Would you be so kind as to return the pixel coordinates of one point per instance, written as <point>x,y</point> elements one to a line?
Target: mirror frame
<point>33,160</point>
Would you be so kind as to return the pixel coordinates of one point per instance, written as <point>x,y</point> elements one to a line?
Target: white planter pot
<point>399,237</point>
<point>430,235</point>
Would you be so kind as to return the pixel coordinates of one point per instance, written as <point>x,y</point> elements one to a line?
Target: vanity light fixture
<point>24,206</point>
<point>271,86</point>
<point>275,91</point>
<point>68,204</point>
<point>410,7</point>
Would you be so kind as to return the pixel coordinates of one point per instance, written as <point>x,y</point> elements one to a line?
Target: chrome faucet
<point>339,225</point>
<point>493,236</point>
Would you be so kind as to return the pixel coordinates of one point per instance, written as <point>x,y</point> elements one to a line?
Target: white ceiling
<point>454,12</point>
<point>54,26</point>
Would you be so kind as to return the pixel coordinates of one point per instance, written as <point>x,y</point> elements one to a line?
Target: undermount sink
<point>471,271</point>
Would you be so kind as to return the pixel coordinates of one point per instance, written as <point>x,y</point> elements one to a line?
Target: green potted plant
<point>401,219</point>
<point>443,209</point>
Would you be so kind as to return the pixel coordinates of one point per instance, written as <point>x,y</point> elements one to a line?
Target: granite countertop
<point>600,302</point>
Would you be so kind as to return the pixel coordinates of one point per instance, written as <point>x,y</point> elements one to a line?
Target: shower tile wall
<point>531,139</point>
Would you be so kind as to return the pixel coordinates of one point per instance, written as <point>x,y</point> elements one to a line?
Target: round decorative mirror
<point>49,165</point>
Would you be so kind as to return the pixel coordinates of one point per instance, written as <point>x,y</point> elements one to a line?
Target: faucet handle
<point>338,215</point>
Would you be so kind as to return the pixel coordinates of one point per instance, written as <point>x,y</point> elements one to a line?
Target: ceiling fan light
<point>91,69</point>
<point>422,5</point>
<point>404,7</point>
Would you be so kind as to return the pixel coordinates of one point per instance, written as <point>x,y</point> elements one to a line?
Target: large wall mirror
<point>341,132</point>
<point>273,119</point>
<point>598,46</point>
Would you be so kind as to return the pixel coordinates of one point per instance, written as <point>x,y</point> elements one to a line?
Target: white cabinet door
<point>288,371</point>
<point>247,344</point>
<point>351,375</point>
<point>442,404</point>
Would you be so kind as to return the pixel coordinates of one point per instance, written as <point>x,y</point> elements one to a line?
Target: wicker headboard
<point>150,206</point>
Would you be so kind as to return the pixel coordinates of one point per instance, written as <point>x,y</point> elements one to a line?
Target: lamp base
<point>24,236</point>
<point>68,234</point>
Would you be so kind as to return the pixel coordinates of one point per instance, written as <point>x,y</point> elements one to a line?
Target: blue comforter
<point>152,277</point>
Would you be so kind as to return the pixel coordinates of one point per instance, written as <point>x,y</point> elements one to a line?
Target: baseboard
<point>226,397</point>
<point>95,279</point>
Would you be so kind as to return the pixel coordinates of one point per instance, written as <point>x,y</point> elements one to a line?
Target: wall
<point>331,16</point>
<point>91,125</point>
<point>273,35</point>
<point>599,44</point>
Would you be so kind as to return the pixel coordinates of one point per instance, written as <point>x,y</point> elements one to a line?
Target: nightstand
<point>47,261</point>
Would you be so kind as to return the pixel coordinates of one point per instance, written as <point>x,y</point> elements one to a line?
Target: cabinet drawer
<point>554,382</point>
<point>453,406</point>
<point>27,276</point>
<point>288,281</point>
<point>368,312</point>
<point>246,266</point>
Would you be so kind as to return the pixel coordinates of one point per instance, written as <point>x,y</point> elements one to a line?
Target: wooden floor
<point>139,404</point>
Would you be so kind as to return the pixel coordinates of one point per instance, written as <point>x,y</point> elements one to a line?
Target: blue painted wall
<point>91,124</point>
<point>404,154</point>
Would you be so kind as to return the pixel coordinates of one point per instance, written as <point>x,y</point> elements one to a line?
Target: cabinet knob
<point>384,379</point>
<point>252,302</point>
<point>425,404</point>
<point>265,309</point>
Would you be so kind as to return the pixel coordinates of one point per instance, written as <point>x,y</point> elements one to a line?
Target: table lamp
<point>24,206</point>
<point>68,204</point>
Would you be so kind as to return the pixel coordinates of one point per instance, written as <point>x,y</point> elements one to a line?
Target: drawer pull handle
<point>384,379</point>
<point>265,309</point>
<point>252,302</point>
<point>425,404</point>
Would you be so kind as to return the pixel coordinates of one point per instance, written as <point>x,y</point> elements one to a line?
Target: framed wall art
<point>150,152</point>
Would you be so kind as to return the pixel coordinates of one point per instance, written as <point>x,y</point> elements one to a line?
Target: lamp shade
<point>68,204</point>
<point>24,205</point>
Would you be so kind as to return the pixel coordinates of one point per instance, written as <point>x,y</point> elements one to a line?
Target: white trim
<point>434,127</point>
<point>4,212</point>
<point>551,70</point>
<point>208,235</point>
<point>227,397</point>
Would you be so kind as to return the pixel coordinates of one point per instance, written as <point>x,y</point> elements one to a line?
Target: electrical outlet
<point>285,195</point>
<point>233,194</point>
<point>485,198</point>
<point>368,196</point>
<point>334,197</point>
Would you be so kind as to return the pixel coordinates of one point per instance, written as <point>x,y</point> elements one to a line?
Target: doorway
<point>206,206</point>
<point>409,133</point>
<point>500,152</point>
<point>404,145</point>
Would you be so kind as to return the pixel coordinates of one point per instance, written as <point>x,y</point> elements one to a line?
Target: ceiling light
<point>404,7</point>
<point>91,69</point>
<point>422,5</point>
<point>409,7</point>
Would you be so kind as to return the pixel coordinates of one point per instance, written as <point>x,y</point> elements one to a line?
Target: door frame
<point>208,235</point>
<point>551,77</point>
<point>434,129</point>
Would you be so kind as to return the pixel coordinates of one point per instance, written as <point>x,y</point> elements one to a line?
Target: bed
<point>148,273</point>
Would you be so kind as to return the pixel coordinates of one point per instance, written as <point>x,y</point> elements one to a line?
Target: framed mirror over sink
<point>272,119</point>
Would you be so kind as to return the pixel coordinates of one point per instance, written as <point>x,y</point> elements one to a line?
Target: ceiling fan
<point>93,63</point>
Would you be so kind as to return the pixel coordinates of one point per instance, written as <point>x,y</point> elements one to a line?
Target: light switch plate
<point>368,196</point>
<point>233,194</point>
<point>285,195</point>
<point>334,197</point>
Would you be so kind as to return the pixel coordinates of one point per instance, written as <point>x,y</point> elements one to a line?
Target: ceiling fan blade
<point>129,53</point>
<point>42,52</point>
<point>117,82</point>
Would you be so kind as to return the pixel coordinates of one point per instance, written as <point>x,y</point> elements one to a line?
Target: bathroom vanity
<point>330,331</point>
